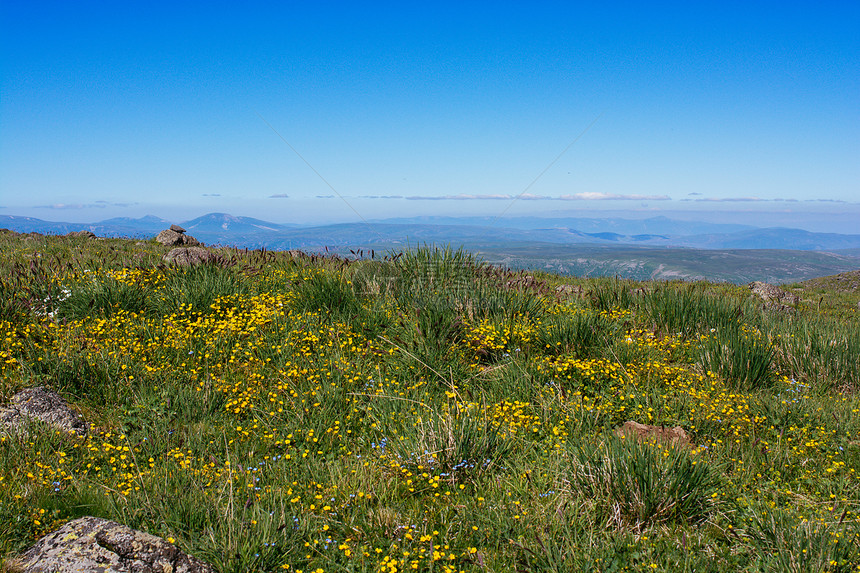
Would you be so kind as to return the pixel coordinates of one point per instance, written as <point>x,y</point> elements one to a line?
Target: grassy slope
<point>427,413</point>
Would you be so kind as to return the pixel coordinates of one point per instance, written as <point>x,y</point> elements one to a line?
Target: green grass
<point>427,411</point>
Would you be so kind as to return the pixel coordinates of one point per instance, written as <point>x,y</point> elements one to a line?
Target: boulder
<point>773,296</point>
<point>173,238</point>
<point>177,228</point>
<point>647,433</point>
<point>567,289</point>
<point>96,544</point>
<point>85,234</point>
<point>189,256</point>
<point>43,405</point>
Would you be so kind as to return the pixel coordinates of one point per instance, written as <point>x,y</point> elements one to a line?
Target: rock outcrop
<point>567,289</point>
<point>175,236</point>
<point>647,433</point>
<point>40,404</point>
<point>86,234</point>
<point>189,256</point>
<point>93,544</point>
<point>774,297</point>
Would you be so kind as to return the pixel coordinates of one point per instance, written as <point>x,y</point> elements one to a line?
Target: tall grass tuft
<point>577,334</point>
<point>802,546</point>
<point>688,309</point>
<point>455,442</point>
<point>638,485</point>
<point>820,353</point>
<point>100,295</point>
<point>12,303</point>
<point>429,270</point>
<point>197,287</point>
<point>611,294</point>
<point>742,357</point>
<point>327,292</point>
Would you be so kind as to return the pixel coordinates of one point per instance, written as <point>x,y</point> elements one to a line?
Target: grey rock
<point>44,405</point>
<point>772,293</point>
<point>87,234</point>
<point>169,237</point>
<point>177,228</point>
<point>93,544</point>
<point>774,297</point>
<point>189,256</point>
<point>526,282</point>
<point>173,238</point>
<point>569,289</point>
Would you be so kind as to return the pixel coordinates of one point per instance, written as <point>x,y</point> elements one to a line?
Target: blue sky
<point>725,111</point>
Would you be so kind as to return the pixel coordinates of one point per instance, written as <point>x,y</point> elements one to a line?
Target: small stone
<point>647,433</point>
<point>96,544</point>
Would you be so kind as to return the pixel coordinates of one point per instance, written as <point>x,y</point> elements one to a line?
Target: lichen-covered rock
<point>177,228</point>
<point>86,234</point>
<point>189,256</point>
<point>647,433</point>
<point>773,296</point>
<point>93,544</point>
<point>174,238</point>
<point>44,405</point>
<point>567,289</point>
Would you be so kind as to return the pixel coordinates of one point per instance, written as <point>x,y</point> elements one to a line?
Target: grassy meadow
<point>422,411</point>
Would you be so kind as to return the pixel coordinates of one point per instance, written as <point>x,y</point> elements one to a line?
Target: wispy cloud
<point>70,206</point>
<point>279,196</point>
<point>103,203</point>
<point>589,196</point>
<point>762,200</point>
<point>460,197</point>
<point>531,197</point>
<point>731,199</point>
<point>211,194</point>
<point>325,196</point>
<point>595,196</point>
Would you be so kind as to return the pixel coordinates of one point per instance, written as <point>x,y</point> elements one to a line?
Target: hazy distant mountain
<point>229,230</point>
<point>651,226</point>
<point>221,222</point>
<point>33,225</point>
<point>618,248</point>
<point>774,238</point>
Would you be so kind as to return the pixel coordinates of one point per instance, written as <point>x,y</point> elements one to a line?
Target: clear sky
<point>735,111</point>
